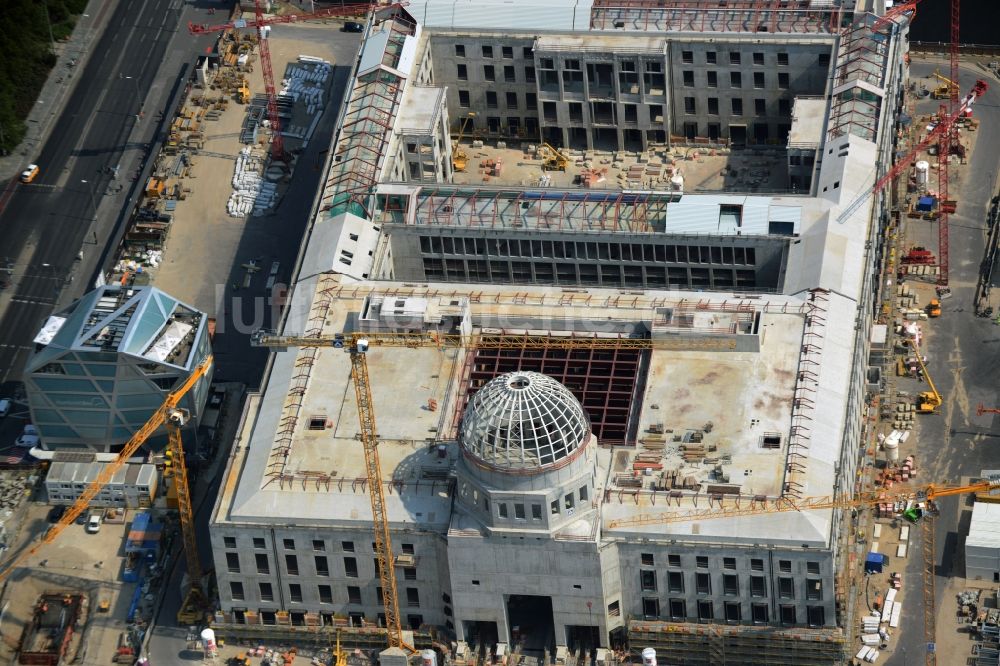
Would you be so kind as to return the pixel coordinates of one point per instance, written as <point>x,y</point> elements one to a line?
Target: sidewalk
<point>72,56</point>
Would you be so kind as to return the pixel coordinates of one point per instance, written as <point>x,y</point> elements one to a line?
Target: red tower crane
<point>944,125</point>
<point>261,25</point>
<point>946,140</point>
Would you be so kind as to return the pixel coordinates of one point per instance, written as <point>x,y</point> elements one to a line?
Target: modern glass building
<point>102,366</point>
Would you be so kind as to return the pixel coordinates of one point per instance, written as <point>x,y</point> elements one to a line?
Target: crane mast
<point>383,540</point>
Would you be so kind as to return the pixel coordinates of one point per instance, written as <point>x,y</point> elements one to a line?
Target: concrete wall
<point>430,572</point>
<point>486,572</point>
<point>470,88</point>
<point>661,581</point>
<point>448,254</point>
<point>627,94</point>
<point>767,75</point>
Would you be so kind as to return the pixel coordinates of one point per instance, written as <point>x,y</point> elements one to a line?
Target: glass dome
<point>523,421</point>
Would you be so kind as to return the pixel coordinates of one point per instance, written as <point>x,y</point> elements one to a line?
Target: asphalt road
<point>46,223</point>
<point>963,360</point>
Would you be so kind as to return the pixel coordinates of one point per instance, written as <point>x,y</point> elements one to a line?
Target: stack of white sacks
<point>251,193</point>
<point>306,82</point>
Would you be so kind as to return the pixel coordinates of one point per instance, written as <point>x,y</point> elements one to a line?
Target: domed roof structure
<point>523,421</point>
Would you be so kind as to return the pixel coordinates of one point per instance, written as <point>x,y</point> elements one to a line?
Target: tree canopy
<point>26,57</point>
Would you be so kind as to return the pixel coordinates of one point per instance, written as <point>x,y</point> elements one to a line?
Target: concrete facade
<point>437,254</point>
<point>628,92</point>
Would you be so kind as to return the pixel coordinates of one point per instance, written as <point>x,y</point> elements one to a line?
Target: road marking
<point>28,301</point>
<point>8,192</point>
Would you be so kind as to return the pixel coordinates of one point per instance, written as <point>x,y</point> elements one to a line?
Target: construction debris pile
<point>251,193</point>
<point>987,650</point>
<point>14,488</point>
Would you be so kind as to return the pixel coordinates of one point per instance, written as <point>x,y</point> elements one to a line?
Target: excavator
<point>927,401</point>
<point>459,159</point>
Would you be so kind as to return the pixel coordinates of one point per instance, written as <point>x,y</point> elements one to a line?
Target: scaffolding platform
<point>687,643</point>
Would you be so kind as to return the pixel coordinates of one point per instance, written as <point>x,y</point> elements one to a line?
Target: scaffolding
<point>304,361</point>
<point>754,16</point>
<point>308,629</point>
<point>688,643</point>
<point>548,210</point>
<point>367,124</point>
<point>859,79</point>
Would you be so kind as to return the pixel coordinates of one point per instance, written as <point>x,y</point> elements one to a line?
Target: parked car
<point>27,441</point>
<point>94,523</point>
<point>81,518</point>
<point>56,514</point>
<point>5,405</point>
<point>352,26</point>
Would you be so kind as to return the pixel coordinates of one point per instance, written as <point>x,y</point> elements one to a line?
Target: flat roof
<point>420,109</point>
<point>302,434</point>
<point>734,400</point>
<point>808,120</point>
<point>984,529</point>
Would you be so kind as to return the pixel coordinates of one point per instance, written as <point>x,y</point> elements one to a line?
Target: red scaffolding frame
<point>756,16</point>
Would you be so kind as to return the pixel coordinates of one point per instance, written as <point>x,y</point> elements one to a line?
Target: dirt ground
<point>702,169</point>
<point>203,238</point>
<point>90,564</point>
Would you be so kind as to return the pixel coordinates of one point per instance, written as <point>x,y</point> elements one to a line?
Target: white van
<point>94,523</point>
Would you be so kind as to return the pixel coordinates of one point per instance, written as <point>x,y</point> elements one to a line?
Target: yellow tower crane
<point>173,417</point>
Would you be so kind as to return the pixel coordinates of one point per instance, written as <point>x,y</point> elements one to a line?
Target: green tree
<point>26,57</point>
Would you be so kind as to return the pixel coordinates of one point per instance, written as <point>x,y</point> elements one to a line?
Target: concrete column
<point>619,106</point>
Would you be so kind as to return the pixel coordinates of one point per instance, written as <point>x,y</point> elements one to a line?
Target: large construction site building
<point>526,486</point>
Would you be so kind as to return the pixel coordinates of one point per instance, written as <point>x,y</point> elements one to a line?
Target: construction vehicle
<point>459,159</point>
<point>173,418</point>
<point>945,91</point>
<point>933,308</point>
<point>243,92</point>
<point>553,160</point>
<point>927,401</point>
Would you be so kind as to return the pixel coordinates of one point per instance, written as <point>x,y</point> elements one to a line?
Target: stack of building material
<point>650,461</point>
<point>628,481</point>
<point>903,418</point>
<point>692,452</point>
<point>252,194</point>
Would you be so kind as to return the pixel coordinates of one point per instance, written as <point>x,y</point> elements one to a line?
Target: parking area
<point>80,562</point>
